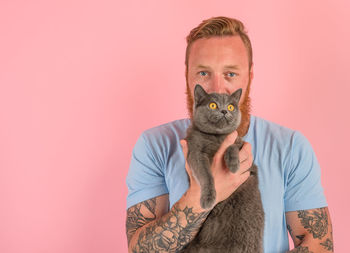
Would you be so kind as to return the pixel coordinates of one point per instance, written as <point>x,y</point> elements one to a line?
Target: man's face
<point>221,65</point>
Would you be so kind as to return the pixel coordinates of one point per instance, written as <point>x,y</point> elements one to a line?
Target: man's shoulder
<point>266,131</point>
<point>273,129</point>
<point>171,130</point>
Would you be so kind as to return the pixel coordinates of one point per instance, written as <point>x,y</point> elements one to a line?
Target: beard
<point>244,107</point>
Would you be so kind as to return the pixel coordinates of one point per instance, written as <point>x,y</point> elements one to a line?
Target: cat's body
<point>236,224</point>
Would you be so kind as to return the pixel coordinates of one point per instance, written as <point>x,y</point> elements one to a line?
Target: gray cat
<point>236,224</point>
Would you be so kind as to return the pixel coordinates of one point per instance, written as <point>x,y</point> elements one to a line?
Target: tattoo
<point>300,237</point>
<point>316,222</point>
<point>136,218</point>
<point>328,244</point>
<point>170,233</point>
<point>301,249</point>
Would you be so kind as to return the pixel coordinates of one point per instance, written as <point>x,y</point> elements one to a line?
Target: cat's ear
<point>236,95</point>
<point>199,94</point>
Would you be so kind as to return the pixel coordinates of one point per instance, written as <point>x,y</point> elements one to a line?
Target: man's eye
<point>231,74</point>
<point>203,73</point>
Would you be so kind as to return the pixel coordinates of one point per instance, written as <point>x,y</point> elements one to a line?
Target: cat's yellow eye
<point>212,105</point>
<point>230,108</point>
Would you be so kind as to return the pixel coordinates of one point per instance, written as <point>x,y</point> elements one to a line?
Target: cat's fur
<point>236,224</point>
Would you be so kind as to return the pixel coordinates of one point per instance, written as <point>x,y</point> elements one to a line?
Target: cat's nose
<point>224,112</point>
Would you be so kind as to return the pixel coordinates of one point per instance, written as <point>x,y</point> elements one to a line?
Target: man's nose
<point>218,84</point>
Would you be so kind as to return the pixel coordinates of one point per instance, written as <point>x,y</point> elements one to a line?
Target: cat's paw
<point>231,158</point>
<point>208,198</point>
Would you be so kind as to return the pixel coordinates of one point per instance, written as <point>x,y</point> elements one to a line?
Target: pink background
<point>80,80</point>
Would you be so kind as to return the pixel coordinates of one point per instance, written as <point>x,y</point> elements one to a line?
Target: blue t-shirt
<point>288,171</point>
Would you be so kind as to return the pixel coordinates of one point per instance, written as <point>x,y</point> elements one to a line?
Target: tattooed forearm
<point>301,249</point>
<point>315,222</point>
<point>170,233</point>
<point>139,215</point>
<point>300,237</point>
<point>311,230</point>
<point>328,244</point>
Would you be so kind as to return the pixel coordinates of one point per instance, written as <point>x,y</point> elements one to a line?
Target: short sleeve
<point>303,188</point>
<point>145,178</point>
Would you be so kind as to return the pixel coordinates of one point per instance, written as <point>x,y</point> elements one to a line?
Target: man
<point>164,213</point>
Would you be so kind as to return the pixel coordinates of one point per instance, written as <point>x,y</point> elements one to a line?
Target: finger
<point>244,177</point>
<point>246,164</point>
<point>229,140</point>
<point>241,178</point>
<point>184,146</point>
<point>246,158</point>
<point>245,152</point>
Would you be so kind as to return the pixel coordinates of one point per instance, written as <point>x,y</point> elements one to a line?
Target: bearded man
<point>163,204</point>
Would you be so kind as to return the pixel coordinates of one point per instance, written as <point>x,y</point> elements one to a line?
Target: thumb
<point>184,148</point>
<point>185,152</point>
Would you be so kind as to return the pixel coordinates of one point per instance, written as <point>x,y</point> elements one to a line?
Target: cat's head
<point>216,113</point>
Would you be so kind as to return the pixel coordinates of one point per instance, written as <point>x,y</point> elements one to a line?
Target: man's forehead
<point>230,51</point>
<point>234,42</point>
<point>230,66</point>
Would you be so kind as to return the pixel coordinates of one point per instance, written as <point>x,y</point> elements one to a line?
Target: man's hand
<point>225,181</point>
<point>151,229</point>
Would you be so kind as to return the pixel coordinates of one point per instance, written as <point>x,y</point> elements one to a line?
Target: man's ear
<point>199,94</point>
